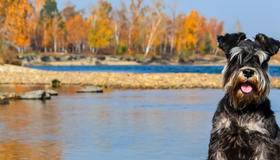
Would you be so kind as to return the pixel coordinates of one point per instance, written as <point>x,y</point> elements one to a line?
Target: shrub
<point>121,49</point>
<point>56,83</point>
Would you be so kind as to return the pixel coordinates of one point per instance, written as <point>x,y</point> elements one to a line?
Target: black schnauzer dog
<point>244,126</point>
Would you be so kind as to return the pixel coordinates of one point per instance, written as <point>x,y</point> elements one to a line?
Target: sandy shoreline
<point>10,74</point>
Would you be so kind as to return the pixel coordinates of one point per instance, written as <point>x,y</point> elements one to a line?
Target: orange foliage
<point>135,39</point>
<point>196,34</point>
<point>17,22</point>
<point>136,28</point>
<point>101,31</point>
<point>77,29</point>
<point>47,35</point>
<point>188,33</point>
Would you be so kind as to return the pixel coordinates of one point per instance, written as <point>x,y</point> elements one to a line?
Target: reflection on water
<point>119,125</point>
<point>13,150</point>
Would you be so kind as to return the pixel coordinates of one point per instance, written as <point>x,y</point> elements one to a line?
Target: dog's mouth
<point>246,88</point>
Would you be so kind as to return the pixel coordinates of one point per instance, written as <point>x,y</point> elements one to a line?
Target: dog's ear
<point>229,41</point>
<point>270,45</point>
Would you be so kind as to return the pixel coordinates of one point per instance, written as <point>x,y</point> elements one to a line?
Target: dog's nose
<point>248,73</point>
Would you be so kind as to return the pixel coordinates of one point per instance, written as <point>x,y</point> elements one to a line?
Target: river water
<point>273,70</point>
<point>116,125</point>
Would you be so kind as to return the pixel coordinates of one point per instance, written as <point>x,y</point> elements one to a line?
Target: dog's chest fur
<point>244,136</point>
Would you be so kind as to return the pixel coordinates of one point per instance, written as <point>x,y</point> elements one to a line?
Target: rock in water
<point>4,100</point>
<point>9,95</point>
<point>52,92</point>
<point>35,95</point>
<point>91,89</point>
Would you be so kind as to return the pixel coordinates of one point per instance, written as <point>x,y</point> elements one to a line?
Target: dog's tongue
<point>246,88</point>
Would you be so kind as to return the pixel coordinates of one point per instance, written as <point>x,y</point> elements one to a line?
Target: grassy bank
<point>19,75</point>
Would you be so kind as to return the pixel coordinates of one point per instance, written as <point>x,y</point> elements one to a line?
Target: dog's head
<point>245,75</point>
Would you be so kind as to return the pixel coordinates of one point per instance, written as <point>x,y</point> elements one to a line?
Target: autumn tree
<point>17,21</point>
<point>121,27</point>
<point>188,33</point>
<point>77,29</point>
<point>149,29</point>
<point>137,28</point>
<point>171,28</point>
<point>69,11</point>
<point>3,7</point>
<point>52,26</point>
<point>153,24</point>
<point>101,30</point>
<point>136,18</point>
<point>163,39</point>
<point>215,28</point>
<point>35,32</point>
<point>4,4</point>
<point>38,5</point>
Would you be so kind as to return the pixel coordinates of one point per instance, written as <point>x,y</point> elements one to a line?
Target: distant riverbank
<point>81,60</point>
<point>10,74</point>
<point>103,60</point>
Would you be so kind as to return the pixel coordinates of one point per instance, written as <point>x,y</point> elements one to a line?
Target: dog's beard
<point>245,92</point>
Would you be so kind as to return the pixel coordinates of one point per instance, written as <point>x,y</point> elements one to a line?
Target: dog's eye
<point>264,65</point>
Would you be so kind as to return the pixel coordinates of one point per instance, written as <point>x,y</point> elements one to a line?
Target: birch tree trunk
<point>129,39</point>
<point>117,37</point>
<point>151,37</point>
<point>172,44</point>
<point>55,45</point>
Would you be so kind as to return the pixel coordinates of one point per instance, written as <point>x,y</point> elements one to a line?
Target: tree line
<point>133,28</point>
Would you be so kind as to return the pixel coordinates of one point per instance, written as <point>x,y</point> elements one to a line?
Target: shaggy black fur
<point>244,126</point>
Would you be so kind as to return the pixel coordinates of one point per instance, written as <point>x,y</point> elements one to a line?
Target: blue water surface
<point>274,70</point>
<point>115,125</point>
